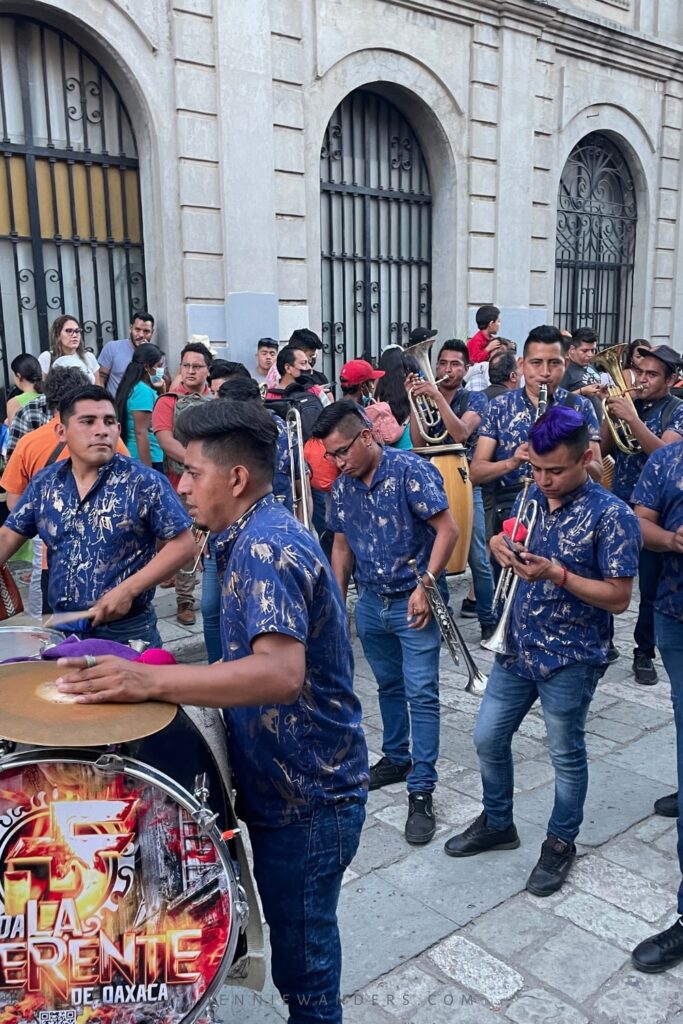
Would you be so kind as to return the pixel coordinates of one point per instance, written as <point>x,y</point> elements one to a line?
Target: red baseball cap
<point>357,371</point>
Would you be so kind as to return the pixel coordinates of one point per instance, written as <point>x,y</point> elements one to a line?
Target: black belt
<point>397,594</point>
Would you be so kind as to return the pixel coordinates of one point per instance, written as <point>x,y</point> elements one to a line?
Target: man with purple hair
<point>575,569</point>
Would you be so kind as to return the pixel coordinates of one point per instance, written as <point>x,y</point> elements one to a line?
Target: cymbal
<point>28,715</point>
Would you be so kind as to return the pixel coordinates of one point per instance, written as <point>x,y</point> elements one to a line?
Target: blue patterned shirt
<point>465,401</point>
<point>289,759</point>
<point>385,524</point>
<point>627,468</point>
<point>593,534</point>
<point>509,419</point>
<point>96,542</point>
<point>661,488</point>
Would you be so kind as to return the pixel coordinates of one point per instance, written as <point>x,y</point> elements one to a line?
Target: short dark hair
<point>147,317</point>
<point>455,345</point>
<point>91,393</point>
<point>501,366</point>
<point>240,389</point>
<point>343,415</point>
<point>232,434</point>
<point>285,357</point>
<point>544,334</point>
<point>267,343</point>
<point>302,337</point>
<point>200,348</point>
<point>486,315</point>
<point>226,368</point>
<point>60,381</point>
<point>583,336</point>
<point>560,425</point>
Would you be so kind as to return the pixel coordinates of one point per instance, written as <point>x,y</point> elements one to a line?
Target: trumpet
<point>508,581</point>
<point>201,537</point>
<point>476,683</point>
<point>609,361</point>
<point>425,411</point>
<point>297,466</point>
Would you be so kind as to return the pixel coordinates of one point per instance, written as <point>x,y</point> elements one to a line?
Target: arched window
<point>376,230</point>
<point>70,212</point>
<point>596,241</point>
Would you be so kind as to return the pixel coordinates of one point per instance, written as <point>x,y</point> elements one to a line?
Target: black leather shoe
<point>487,630</point>
<point>612,653</point>
<point>421,823</point>
<point>667,806</point>
<point>386,773</point>
<point>644,669</point>
<point>661,951</point>
<point>478,837</point>
<point>557,856</point>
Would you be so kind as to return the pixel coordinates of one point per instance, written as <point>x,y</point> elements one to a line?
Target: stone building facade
<point>357,166</point>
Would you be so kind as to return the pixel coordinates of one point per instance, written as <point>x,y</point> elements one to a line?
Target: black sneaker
<point>468,609</point>
<point>667,806</point>
<point>661,951</point>
<point>386,773</point>
<point>478,837</point>
<point>421,823</point>
<point>612,653</point>
<point>644,669</point>
<point>487,630</point>
<point>557,856</point>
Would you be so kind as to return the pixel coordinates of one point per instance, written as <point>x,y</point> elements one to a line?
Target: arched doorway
<point>596,241</point>
<point>376,230</point>
<point>70,212</point>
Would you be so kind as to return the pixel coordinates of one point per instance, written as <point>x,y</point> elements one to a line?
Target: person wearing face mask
<point>358,381</point>
<point>141,385</point>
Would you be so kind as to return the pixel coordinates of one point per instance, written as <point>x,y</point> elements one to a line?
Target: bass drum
<point>451,462</point>
<point>115,903</point>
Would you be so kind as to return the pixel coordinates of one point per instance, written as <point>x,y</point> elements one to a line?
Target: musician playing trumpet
<point>575,567</point>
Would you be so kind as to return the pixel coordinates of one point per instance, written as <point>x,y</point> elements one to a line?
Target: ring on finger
<point>90,661</point>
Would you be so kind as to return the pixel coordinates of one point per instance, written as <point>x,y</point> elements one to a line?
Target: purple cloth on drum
<point>72,647</point>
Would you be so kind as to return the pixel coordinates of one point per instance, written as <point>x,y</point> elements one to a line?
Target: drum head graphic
<point>114,907</point>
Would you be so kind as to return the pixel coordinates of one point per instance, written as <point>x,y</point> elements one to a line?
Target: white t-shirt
<point>89,366</point>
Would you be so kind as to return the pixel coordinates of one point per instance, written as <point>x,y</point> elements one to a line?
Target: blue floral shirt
<point>385,524</point>
<point>96,542</point>
<point>661,488</point>
<point>595,535</point>
<point>465,401</point>
<point>509,419</point>
<point>289,759</point>
<point>627,468</point>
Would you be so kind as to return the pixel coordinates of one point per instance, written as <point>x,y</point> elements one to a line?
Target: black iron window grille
<point>70,211</point>
<point>596,241</point>
<point>376,230</point>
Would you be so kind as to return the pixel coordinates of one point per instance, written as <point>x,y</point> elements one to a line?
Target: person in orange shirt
<point>38,449</point>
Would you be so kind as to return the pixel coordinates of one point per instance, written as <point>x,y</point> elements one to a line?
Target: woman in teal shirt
<point>140,386</point>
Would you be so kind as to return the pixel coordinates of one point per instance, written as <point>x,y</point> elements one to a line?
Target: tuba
<point>476,684</point>
<point>609,361</point>
<point>426,413</point>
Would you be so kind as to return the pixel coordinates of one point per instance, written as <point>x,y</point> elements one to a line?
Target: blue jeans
<point>669,637</point>
<point>142,626</point>
<point>211,607</point>
<point>649,571</point>
<point>565,698</point>
<point>405,663</point>
<point>298,871</point>
<point>478,561</point>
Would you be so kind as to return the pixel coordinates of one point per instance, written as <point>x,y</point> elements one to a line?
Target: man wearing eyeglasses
<point>388,507</point>
<point>195,361</point>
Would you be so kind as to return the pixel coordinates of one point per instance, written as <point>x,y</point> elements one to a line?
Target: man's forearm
<point>256,679</point>
<point>341,567</point>
<point>172,556</point>
<point>170,446</point>
<point>655,537</point>
<point>442,548</point>
<point>10,542</point>
<point>483,471</point>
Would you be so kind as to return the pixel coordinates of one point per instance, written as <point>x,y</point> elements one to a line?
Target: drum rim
<point>140,770</point>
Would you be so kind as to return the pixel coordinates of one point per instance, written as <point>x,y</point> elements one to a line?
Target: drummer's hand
<point>532,567</point>
<point>111,679</point>
<point>113,605</point>
<point>419,612</point>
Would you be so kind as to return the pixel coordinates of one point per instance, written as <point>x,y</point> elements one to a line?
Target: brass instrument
<point>201,537</point>
<point>427,415</point>
<point>297,467</point>
<point>476,684</point>
<point>508,581</point>
<point>609,361</point>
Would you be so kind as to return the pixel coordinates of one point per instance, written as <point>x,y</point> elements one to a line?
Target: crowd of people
<point>287,490</point>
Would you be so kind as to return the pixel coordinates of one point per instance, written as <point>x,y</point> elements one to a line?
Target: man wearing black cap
<point>421,334</point>
<point>655,419</point>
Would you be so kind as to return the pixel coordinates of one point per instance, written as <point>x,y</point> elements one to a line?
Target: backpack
<point>305,402</point>
<point>182,402</point>
<point>385,427</point>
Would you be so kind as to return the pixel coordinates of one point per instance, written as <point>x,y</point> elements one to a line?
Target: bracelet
<point>565,573</point>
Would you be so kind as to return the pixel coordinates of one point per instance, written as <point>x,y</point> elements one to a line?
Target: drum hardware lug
<point>212,1011</point>
<point>7,747</point>
<point>109,763</point>
<point>242,907</point>
<point>463,474</point>
<point>139,645</point>
<point>203,816</point>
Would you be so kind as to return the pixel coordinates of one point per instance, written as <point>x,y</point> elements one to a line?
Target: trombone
<point>297,467</point>
<point>201,537</point>
<point>476,684</point>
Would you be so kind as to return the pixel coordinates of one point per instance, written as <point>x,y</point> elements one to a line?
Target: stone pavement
<point>433,940</point>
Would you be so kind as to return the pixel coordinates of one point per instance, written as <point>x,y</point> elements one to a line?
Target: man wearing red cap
<point>358,380</point>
